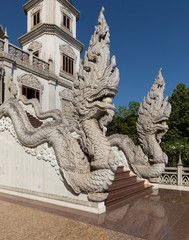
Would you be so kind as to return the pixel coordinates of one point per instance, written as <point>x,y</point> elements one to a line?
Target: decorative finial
<point>180,161</point>
<point>5,34</point>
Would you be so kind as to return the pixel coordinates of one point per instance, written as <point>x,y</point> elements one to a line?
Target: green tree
<point>124,121</point>
<point>176,140</point>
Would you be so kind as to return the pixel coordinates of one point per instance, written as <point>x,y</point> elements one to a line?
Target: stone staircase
<point>34,121</point>
<point>125,188</point>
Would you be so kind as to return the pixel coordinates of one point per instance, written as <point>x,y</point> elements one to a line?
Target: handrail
<point>178,176</point>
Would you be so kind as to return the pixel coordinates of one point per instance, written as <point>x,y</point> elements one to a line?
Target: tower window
<point>36,18</point>
<point>66,21</point>
<point>68,64</point>
<point>30,92</point>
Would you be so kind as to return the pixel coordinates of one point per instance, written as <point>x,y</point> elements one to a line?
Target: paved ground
<point>162,217</point>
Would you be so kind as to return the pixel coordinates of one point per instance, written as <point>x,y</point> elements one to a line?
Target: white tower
<point>51,34</point>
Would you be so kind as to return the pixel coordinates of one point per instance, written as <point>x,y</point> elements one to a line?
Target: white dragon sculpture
<point>149,160</point>
<point>87,163</point>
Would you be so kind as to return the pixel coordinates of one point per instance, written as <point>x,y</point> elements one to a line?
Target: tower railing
<point>16,53</point>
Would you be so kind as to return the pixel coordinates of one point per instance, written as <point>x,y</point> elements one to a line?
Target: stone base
<point>24,174</point>
<point>155,189</point>
<point>91,207</point>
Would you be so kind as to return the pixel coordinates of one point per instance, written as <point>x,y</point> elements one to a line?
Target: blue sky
<point>145,35</point>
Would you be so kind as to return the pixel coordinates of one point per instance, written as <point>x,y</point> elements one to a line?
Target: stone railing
<point>18,53</point>
<point>178,176</point>
<point>2,43</point>
<point>22,56</point>
<point>37,62</point>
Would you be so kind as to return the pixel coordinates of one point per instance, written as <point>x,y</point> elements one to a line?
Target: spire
<point>5,34</point>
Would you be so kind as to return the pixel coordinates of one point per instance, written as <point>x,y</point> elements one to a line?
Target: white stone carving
<point>66,11</point>
<point>31,81</point>
<point>66,94</point>
<point>151,126</point>
<point>38,7</point>
<point>66,49</point>
<point>35,46</point>
<point>12,88</point>
<point>41,152</point>
<point>87,164</point>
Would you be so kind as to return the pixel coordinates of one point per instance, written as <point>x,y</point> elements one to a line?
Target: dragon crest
<point>149,160</point>
<point>97,79</point>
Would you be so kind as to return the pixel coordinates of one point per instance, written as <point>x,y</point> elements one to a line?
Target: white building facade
<point>46,66</point>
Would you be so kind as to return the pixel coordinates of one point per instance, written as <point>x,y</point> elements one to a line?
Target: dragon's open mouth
<point>164,122</point>
<point>107,100</point>
<point>104,95</point>
<point>104,98</point>
<point>161,122</point>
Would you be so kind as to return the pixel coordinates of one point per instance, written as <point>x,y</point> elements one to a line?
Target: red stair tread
<point>34,121</point>
<point>131,197</point>
<point>122,182</point>
<point>120,193</point>
<point>125,187</point>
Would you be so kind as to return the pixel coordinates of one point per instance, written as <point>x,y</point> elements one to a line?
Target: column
<point>52,94</point>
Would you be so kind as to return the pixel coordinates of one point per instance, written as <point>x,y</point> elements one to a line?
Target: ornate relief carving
<point>30,81</point>
<point>41,152</point>
<point>66,49</point>
<point>12,88</point>
<point>35,46</point>
<point>38,7</point>
<point>66,97</point>
<point>65,10</point>
<point>66,94</point>
<point>67,108</point>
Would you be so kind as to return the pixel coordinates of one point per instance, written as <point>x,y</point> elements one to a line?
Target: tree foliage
<point>176,140</point>
<point>124,121</point>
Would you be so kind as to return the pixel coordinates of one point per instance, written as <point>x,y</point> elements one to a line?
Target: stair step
<point>123,182</point>
<point>124,192</point>
<point>34,121</point>
<point>122,174</point>
<point>117,187</point>
<point>125,200</point>
<point>120,169</point>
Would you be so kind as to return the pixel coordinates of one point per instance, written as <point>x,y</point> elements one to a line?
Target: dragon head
<point>152,121</point>
<point>97,80</point>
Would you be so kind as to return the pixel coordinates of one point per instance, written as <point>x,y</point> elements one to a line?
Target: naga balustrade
<point>178,176</point>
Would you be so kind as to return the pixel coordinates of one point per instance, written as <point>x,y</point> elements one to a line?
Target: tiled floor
<point>162,217</point>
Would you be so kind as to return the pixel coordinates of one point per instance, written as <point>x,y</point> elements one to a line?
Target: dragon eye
<point>163,122</point>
